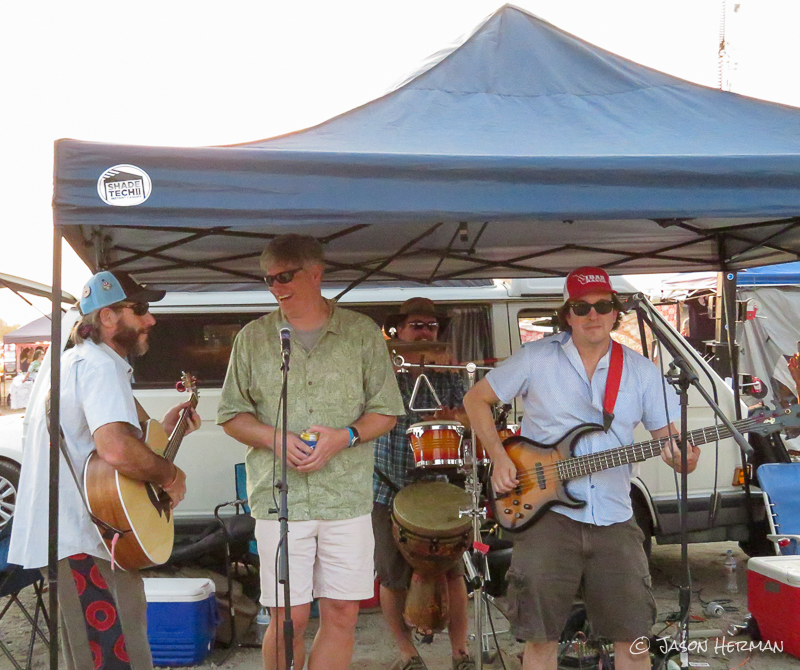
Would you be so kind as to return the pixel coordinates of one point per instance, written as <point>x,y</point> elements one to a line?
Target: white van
<point>195,331</point>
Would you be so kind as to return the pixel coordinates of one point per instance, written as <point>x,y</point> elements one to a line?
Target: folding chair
<point>237,528</point>
<point>13,580</point>
<point>240,479</point>
<point>780,484</point>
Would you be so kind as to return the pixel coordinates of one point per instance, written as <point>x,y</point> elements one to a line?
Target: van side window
<point>196,343</point>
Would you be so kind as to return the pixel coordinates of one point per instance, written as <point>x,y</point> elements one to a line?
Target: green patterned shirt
<point>348,373</point>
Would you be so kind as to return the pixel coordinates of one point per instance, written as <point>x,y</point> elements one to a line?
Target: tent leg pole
<point>55,422</point>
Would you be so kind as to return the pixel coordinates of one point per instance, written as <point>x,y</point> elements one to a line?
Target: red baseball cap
<point>585,280</point>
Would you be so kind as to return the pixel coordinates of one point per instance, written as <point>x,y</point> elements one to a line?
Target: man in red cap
<point>598,546</point>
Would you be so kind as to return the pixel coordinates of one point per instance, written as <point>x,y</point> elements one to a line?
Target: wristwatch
<point>355,438</point>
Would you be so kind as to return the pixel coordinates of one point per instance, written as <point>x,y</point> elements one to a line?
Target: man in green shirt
<point>342,386</point>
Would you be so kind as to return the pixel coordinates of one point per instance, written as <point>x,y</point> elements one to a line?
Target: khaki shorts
<point>327,559</point>
<point>557,556</point>
<point>393,570</point>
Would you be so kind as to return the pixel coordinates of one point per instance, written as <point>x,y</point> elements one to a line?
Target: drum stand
<point>476,576</point>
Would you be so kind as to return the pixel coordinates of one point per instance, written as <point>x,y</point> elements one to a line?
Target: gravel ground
<point>374,650</point>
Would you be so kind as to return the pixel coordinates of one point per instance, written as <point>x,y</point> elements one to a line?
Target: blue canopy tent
<point>523,151</point>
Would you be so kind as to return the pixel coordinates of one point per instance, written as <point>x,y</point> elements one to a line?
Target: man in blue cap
<point>103,611</point>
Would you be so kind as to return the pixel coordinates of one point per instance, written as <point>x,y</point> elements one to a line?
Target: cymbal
<point>402,347</point>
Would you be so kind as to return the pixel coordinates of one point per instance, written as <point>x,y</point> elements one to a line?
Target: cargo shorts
<point>558,557</point>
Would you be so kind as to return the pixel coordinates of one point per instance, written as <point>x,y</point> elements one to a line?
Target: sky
<point>196,73</point>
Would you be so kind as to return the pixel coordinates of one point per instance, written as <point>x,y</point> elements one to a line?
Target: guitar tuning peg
<point>180,387</point>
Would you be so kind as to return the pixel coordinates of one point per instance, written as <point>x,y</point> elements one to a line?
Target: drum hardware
<point>475,511</point>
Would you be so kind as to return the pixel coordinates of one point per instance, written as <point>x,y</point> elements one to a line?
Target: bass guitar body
<point>140,509</point>
<point>540,486</point>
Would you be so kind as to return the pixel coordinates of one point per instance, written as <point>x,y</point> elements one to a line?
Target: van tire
<point>9,485</point>
<point>642,515</point>
<point>757,543</point>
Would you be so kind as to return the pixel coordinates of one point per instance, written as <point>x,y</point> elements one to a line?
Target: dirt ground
<point>374,650</point>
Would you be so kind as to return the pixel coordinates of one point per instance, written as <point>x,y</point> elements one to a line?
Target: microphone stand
<point>682,375</point>
<point>283,518</point>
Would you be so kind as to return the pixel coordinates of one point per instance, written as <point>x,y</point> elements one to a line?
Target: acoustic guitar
<point>141,510</point>
<point>544,470</point>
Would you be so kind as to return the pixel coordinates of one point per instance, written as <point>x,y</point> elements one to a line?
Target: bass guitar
<point>141,510</point>
<point>543,470</point>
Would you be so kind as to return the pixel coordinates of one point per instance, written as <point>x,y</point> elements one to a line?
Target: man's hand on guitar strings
<point>172,417</point>
<point>504,474</point>
<point>671,455</point>
<point>176,489</point>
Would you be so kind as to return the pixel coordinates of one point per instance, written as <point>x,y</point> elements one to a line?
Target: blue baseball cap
<point>108,288</point>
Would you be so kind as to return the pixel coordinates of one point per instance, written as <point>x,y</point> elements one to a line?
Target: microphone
<point>286,340</point>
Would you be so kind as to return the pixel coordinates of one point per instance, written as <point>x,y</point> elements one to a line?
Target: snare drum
<point>436,444</point>
<point>509,431</point>
<point>432,537</point>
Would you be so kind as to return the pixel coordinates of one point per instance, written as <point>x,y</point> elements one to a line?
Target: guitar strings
<point>529,474</point>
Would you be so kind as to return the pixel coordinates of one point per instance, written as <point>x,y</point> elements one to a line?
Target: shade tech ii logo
<point>124,186</point>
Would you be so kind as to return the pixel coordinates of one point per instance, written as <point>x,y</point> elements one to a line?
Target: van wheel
<point>642,515</point>
<point>757,543</point>
<point>9,483</point>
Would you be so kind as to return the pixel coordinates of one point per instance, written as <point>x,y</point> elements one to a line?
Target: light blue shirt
<point>557,396</point>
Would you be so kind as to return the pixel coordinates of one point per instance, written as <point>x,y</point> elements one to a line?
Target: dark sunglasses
<point>423,325</point>
<point>581,308</point>
<point>138,308</point>
<point>282,277</point>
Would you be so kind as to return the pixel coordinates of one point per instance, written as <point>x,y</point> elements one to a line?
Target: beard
<point>131,340</point>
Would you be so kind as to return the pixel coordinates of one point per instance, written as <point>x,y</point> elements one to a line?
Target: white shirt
<point>558,395</point>
<point>95,391</point>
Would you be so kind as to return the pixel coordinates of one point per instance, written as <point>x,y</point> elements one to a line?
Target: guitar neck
<point>641,451</point>
<point>171,450</point>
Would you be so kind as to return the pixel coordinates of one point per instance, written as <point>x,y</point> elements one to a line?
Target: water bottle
<point>262,620</point>
<point>730,571</point>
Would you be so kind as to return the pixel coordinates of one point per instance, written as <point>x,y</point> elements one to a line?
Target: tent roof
<point>524,151</point>
<point>35,331</point>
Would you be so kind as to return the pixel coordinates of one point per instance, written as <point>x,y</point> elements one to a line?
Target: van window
<point>196,343</point>
<point>201,343</point>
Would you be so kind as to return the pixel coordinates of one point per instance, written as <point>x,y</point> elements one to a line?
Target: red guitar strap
<point>612,384</point>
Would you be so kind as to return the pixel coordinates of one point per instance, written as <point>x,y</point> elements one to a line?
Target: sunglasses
<point>423,325</point>
<point>581,308</point>
<point>282,277</point>
<point>138,308</point>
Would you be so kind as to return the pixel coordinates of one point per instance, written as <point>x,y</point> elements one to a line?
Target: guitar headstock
<point>188,383</point>
<point>770,421</point>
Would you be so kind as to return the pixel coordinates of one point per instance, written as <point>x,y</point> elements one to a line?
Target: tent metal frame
<point>379,267</point>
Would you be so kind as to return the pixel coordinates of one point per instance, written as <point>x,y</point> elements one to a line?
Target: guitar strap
<point>612,384</point>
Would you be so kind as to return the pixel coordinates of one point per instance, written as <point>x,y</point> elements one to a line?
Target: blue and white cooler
<point>182,619</point>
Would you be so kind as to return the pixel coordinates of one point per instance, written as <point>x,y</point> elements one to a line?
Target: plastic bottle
<point>730,571</point>
<point>262,620</point>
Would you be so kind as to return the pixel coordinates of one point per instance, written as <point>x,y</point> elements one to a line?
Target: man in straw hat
<point>416,321</point>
